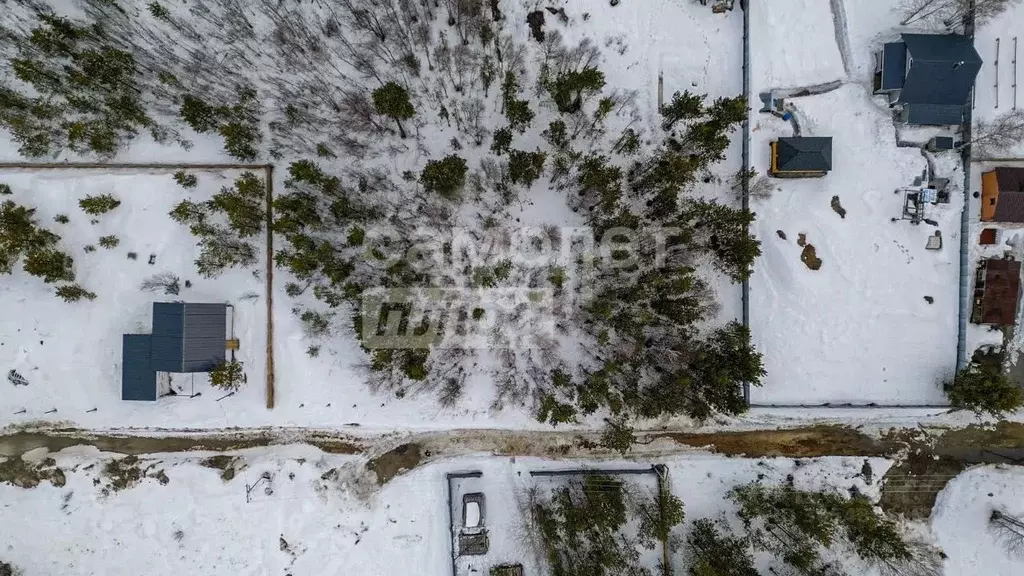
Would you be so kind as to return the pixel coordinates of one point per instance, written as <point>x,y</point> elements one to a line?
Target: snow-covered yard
<point>859,329</point>
<point>70,353</point>
<point>322,515</point>
<point>994,92</point>
<point>960,520</point>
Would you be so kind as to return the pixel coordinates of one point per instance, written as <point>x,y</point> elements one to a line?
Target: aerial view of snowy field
<point>511,287</point>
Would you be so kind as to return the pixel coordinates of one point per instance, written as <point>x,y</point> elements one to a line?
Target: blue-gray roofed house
<point>187,337</point>
<point>928,77</point>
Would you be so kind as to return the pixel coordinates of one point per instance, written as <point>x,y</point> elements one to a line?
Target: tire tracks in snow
<point>842,35</point>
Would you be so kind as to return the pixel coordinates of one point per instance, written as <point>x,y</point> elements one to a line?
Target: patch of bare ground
<point>24,474</point>
<point>806,442</point>
<point>396,461</point>
<point>228,465</point>
<point>911,487</point>
<point>123,473</point>
<point>21,442</point>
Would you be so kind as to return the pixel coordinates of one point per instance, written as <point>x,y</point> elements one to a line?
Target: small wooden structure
<point>996,292</point>
<point>1002,195</point>
<point>800,157</point>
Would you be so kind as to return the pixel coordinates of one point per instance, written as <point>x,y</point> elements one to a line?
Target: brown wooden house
<point>1002,195</point>
<point>996,291</point>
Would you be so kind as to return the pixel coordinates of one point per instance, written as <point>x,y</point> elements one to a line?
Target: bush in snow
<point>96,205</point>
<point>984,389</point>
<point>7,569</point>
<point>445,177</point>
<point>392,100</point>
<point>5,190</point>
<point>74,293</point>
<point>109,242</point>
<point>186,180</point>
<point>227,376</point>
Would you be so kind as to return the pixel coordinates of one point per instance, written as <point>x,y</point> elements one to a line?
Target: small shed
<point>188,337</point>
<point>801,157</point>
<point>996,291</point>
<point>138,379</point>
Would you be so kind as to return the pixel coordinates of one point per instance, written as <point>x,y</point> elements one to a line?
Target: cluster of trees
<point>648,302</point>
<point>815,533</point>
<point>290,82</point>
<point>22,240</point>
<point>583,526</point>
<point>598,525</point>
<point>82,94</point>
<point>223,246</point>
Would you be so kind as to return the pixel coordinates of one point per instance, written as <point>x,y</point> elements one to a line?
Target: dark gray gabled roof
<point>138,379</point>
<point>942,69</point>
<point>804,153</point>
<point>933,114</point>
<point>188,337</point>
<point>894,65</point>
<point>1009,207</point>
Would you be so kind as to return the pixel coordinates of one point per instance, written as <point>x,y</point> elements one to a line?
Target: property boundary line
<point>965,215</point>
<point>963,289</point>
<point>268,171</point>
<point>745,191</point>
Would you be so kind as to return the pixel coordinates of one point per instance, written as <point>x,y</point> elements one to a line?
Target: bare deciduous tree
<point>997,135</point>
<point>951,13</point>
<point>1009,530</point>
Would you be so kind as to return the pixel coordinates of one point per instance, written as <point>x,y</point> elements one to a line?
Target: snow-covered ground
<point>793,44</point>
<point>858,330</point>
<point>71,353</point>
<point>321,515</point>
<point>960,520</point>
<point>994,92</point>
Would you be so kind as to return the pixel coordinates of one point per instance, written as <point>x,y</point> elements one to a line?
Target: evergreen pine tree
<point>525,167</point>
<point>97,205</point>
<point>244,204</point>
<point>683,106</point>
<point>502,141</point>
<point>569,89</point>
<point>716,552</point>
<point>445,177</point>
<point>392,100</point>
<point>617,435</point>
<point>227,376</point>
<point>74,293</point>
<point>51,265</point>
<point>984,389</point>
